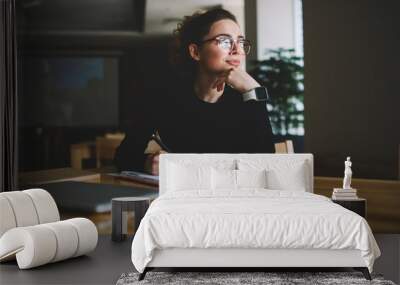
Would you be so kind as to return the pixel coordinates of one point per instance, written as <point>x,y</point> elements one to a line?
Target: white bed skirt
<point>189,257</point>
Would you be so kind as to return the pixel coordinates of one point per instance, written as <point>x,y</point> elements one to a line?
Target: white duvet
<point>251,218</point>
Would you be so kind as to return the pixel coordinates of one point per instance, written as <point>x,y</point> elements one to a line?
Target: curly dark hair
<point>192,30</point>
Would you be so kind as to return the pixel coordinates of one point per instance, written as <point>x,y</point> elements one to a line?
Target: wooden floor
<point>106,264</point>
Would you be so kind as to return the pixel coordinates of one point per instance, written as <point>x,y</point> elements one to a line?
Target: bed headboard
<point>194,158</point>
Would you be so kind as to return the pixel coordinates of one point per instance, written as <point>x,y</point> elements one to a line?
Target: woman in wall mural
<point>215,107</point>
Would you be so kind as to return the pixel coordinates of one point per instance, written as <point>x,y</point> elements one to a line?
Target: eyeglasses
<point>226,42</point>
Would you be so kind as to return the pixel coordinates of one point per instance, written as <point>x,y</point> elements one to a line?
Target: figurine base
<point>351,190</point>
<point>344,194</point>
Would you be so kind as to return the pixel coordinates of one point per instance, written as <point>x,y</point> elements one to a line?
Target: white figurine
<point>347,174</point>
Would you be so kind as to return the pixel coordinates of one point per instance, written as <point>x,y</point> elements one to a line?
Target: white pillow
<point>251,178</point>
<point>280,174</point>
<point>223,179</point>
<point>237,179</point>
<point>188,177</point>
<point>215,163</point>
<point>292,179</point>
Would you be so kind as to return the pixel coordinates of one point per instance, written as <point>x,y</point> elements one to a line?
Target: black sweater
<point>187,124</point>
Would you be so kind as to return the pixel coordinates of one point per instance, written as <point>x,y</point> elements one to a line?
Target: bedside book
<point>340,190</point>
<point>334,197</point>
<point>344,194</point>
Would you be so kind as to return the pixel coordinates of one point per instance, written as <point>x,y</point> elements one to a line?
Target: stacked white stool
<point>31,230</point>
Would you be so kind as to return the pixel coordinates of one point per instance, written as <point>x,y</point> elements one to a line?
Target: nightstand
<point>358,206</point>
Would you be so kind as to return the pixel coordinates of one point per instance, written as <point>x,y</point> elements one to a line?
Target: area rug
<point>244,278</point>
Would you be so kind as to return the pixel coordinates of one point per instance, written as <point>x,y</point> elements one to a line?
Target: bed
<point>247,210</point>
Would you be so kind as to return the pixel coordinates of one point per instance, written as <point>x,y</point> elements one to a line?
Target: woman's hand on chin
<point>238,79</point>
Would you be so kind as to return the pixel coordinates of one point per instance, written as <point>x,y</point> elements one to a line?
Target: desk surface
<point>96,176</point>
<point>77,196</point>
<point>108,179</point>
<point>29,179</point>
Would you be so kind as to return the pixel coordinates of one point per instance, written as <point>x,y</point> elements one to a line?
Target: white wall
<point>162,16</point>
<point>275,25</point>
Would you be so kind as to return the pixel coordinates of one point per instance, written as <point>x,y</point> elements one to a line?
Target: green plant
<point>283,75</point>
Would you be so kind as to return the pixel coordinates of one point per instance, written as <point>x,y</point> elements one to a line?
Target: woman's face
<point>214,57</point>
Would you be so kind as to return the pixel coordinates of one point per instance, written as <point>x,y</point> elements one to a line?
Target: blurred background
<point>87,68</point>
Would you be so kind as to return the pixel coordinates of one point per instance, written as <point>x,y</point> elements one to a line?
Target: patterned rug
<point>243,278</point>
